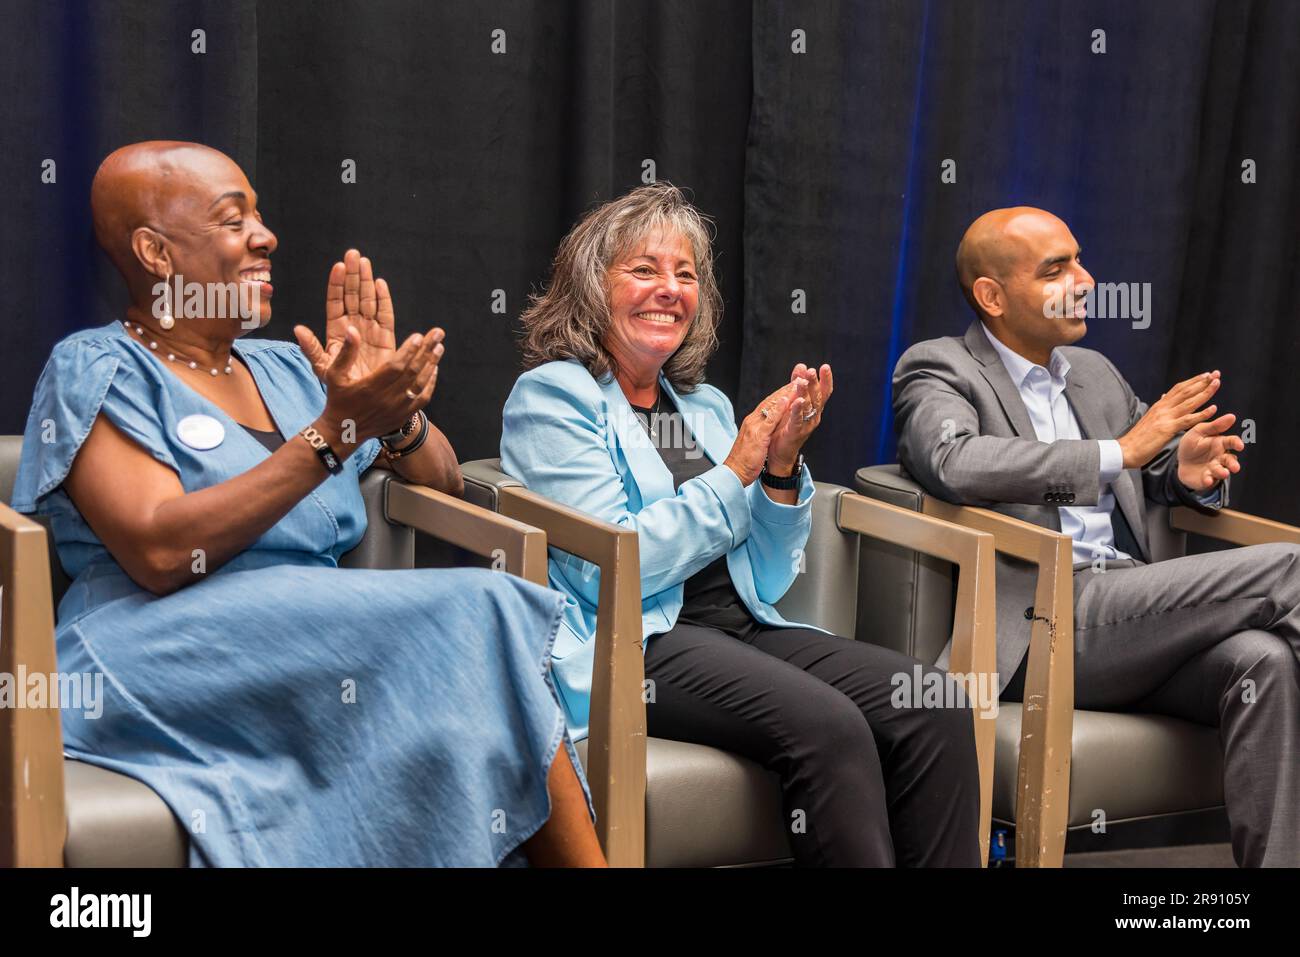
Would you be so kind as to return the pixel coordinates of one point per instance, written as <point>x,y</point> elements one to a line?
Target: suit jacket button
<point>1029,613</point>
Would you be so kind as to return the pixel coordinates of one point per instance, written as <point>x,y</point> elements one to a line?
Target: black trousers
<point>865,783</point>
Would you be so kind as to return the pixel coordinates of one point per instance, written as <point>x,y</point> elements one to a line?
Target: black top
<point>710,597</point>
<point>272,440</point>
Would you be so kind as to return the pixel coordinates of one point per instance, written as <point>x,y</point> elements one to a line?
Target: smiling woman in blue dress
<point>201,491</point>
<point>613,417</point>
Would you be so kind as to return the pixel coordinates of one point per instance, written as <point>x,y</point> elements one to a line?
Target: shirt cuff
<point>1209,498</point>
<point>726,485</point>
<point>1112,461</point>
<point>1213,497</point>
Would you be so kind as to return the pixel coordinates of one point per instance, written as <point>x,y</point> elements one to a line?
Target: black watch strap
<point>395,454</point>
<point>783,483</point>
<point>405,432</point>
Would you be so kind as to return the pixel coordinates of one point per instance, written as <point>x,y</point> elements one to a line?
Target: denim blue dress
<point>291,712</point>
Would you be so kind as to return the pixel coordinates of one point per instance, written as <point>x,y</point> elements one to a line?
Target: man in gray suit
<point>1013,417</point>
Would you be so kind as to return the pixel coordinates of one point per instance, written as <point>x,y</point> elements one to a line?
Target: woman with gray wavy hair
<point>613,417</point>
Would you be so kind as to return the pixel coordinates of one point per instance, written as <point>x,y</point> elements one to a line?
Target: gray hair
<point>569,319</point>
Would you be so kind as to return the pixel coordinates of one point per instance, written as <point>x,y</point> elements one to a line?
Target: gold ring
<point>412,395</point>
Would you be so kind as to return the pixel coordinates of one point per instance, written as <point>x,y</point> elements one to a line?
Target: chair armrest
<point>33,824</point>
<point>1043,779</point>
<point>890,484</point>
<point>484,481</point>
<point>518,548</point>
<point>974,633</point>
<point>1228,525</point>
<point>616,748</point>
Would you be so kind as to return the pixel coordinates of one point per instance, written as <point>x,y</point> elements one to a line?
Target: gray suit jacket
<point>965,435</point>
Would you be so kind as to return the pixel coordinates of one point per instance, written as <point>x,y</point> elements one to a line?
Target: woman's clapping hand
<point>813,389</point>
<point>777,429</point>
<point>369,380</point>
<point>749,451</point>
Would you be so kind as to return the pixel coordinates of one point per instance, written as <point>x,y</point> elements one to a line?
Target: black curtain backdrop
<point>823,170</point>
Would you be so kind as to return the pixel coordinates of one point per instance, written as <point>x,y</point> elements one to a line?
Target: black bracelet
<point>783,483</point>
<point>395,454</point>
<point>329,458</point>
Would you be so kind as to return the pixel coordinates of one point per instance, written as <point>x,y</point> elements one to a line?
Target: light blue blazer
<point>577,441</point>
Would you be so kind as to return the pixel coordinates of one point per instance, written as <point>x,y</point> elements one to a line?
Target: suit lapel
<point>1092,425</point>
<point>653,480</point>
<point>710,434</point>
<point>996,373</point>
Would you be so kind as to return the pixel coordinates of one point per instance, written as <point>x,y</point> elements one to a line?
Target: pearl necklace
<point>171,356</point>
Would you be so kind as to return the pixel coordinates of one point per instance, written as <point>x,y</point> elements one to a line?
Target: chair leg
<point>1046,733</point>
<point>33,825</point>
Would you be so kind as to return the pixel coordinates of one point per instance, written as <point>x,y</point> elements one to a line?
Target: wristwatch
<point>405,432</point>
<point>418,421</point>
<point>783,482</point>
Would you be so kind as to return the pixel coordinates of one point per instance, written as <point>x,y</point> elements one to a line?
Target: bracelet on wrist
<point>393,454</point>
<point>390,439</point>
<point>329,458</point>
<point>783,483</point>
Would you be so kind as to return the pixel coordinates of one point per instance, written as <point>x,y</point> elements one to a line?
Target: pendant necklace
<point>649,417</point>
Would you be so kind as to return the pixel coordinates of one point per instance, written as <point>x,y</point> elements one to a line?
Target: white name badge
<point>201,432</point>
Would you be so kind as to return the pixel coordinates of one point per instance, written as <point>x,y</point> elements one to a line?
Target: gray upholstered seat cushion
<point>115,821</point>
<point>1127,765</point>
<point>704,808</point>
<point>709,808</point>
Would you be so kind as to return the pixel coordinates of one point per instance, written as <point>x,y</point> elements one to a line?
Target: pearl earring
<point>167,320</point>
